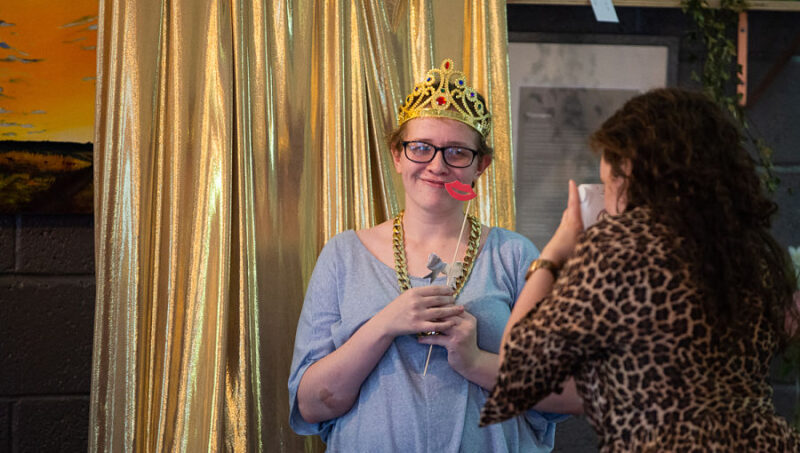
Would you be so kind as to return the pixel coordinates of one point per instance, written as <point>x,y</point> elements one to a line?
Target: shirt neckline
<point>374,258</point>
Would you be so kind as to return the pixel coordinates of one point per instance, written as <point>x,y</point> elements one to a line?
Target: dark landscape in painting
<point>45,177</point>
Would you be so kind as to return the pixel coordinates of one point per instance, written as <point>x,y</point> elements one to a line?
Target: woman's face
<point>424,182</point>
<point>613,191</point>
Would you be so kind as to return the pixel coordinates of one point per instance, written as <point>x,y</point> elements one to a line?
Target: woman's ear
<point>396,156</point>
<point>484,163</point>
<point>622,188</point>
<point>627,167</point>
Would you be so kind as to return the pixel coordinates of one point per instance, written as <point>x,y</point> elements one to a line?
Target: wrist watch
<point>542,263</point>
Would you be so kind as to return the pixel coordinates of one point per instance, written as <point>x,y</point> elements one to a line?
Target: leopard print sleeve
<point>570,327</point>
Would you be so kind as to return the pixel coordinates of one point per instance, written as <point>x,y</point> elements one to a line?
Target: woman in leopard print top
<point>667,312</point>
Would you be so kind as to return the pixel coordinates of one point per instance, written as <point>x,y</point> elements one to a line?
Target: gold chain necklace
<point>401,267</point>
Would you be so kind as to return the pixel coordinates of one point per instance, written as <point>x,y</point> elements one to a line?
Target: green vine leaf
<point>716,29</point>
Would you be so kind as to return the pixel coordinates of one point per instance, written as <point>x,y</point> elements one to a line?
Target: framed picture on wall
<point>47,93</point>
<point>562,88</point>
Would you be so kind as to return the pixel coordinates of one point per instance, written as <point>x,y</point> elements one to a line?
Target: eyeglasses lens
<point>454,156</point>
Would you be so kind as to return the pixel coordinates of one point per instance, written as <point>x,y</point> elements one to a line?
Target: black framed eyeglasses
<point>454,156</point>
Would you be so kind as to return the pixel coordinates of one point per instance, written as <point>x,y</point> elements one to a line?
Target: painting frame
<point>583,70</point>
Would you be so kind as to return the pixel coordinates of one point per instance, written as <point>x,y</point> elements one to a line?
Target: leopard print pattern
<point>626,321</point>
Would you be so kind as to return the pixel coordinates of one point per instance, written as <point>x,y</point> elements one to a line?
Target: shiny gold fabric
<point>232,139</point>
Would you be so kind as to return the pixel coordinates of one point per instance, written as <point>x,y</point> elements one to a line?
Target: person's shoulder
<point>631,231</point>
<point>337,243</point>
<point>374,238</point>
<point>506,235</point>
<point>331,259</point>
<point>511,241</point>
<point>377,232</point>
<point>344,237</point>
<point>620,226</point>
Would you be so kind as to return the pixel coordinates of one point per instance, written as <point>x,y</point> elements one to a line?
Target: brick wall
<point>46,322</point>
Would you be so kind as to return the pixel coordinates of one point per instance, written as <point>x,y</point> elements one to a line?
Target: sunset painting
<point>47,92</point>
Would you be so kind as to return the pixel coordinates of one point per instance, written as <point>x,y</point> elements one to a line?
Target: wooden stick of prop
<point>461,192</point>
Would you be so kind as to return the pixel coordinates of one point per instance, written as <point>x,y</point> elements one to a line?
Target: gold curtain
<point>232,139</point>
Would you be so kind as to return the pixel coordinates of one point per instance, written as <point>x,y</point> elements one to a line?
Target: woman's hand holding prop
<point>461,342</point>
<point>422,309</point>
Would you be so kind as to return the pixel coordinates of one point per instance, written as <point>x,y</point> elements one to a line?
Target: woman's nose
<point>438,164</point>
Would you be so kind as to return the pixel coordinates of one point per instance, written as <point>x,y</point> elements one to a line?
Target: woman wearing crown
<point>359,375</point>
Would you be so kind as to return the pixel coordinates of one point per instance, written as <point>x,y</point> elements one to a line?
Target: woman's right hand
<point>564,240</point>
<point>422,309</point>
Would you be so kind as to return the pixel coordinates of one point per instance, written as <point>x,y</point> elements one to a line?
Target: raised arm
<point>560,247</point>
<point>539,285</point>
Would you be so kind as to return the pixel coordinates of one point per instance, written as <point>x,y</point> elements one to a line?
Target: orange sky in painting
<point>47,69</point>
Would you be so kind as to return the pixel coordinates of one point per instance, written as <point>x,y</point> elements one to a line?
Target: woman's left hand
<point>461,341</point>
<point>463,353</point>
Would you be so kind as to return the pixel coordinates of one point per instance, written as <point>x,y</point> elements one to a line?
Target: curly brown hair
<point>689,166</point>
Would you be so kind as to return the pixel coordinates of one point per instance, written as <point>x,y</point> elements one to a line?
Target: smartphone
<point>592,204</point>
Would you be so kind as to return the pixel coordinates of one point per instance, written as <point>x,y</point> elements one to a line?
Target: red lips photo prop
<point>460,191</point>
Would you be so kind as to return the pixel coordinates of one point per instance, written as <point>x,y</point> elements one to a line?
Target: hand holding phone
<point>592,203</point>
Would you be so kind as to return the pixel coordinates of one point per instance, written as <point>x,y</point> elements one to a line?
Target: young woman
<point>357,374</point>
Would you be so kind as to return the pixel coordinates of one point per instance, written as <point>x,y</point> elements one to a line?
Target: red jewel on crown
<point>447,65</point>
<point>441,100</point>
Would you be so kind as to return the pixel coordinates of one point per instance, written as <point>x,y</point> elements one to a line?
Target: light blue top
<point>397,408</point>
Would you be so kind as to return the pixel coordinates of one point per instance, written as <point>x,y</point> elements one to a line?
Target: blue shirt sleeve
<point>527,254</point>
<point>314,339</point>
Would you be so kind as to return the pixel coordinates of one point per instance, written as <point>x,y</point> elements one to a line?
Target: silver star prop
<point>437,266</point>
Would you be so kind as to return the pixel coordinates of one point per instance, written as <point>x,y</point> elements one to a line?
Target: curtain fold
<point>486,62</point>
<point>232,139</point>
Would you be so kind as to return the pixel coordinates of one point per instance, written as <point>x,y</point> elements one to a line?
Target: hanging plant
<point>715,29</point>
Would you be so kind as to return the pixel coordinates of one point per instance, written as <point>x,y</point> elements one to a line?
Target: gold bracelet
<point>542,263</point>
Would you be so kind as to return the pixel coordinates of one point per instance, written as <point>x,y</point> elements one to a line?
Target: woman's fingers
<point>574,205</point>
<point>438,340</point>
<point>456,322</point>
<point>461,329</point>
<point>436,301</point>
<point>433,290</point>
<point>571,218</point>
<point>573,201</point>
<point>566,235</point>
<point>433,296</point>
<point>440,326</point>
<point>444,312</point>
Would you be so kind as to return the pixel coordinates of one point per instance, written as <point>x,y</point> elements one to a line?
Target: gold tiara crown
<point>445,94</point>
